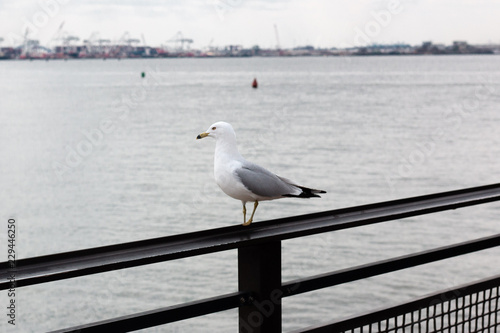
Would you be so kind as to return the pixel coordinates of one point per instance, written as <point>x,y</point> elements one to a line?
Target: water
<point>93,155</point>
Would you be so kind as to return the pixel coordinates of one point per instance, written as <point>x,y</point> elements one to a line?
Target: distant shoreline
<point>32,50</point>
<point>226,57</point>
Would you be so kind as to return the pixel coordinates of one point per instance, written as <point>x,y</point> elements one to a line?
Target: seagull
<point>244,180</point>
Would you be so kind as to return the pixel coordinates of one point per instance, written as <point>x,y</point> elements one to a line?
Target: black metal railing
<point>472,307</point>
<point>259,270</point>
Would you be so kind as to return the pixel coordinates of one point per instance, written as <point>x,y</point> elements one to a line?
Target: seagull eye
<point>213,128</point>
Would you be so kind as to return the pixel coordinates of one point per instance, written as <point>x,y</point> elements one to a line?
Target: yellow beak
<point>201,136</point>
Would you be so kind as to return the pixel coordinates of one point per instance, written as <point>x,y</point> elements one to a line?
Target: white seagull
<point>244,180</point>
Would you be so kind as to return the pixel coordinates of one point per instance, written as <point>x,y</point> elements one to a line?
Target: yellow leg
<point>244,212</point>
<point>251,216</point>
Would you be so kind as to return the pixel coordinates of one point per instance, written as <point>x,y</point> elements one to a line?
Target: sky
<point>267,23</point>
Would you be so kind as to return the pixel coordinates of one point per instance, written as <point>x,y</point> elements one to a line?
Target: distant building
<point>304,48</point>
<point>460,47</point>
<point>9,53</point>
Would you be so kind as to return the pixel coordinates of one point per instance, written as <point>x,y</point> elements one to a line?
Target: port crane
<point>131,41</point>
<point>277,38</point>
<point>96,45</point>
<point>29,46</point>
<point>64,36</point>
<point>126,39</point>
<point>68,39</point>
<point>179,41</point>
<point>57,36</point>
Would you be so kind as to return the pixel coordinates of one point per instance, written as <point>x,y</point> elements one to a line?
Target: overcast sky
<point>321,23</point>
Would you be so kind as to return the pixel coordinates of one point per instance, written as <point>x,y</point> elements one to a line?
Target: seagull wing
<point>264,183</point>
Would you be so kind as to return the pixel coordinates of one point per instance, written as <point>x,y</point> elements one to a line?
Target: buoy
<point>254,83</point>
<point>143,74</point>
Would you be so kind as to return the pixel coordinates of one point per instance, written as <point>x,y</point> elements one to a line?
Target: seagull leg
<point>247,223</point>
<point>244,211</point>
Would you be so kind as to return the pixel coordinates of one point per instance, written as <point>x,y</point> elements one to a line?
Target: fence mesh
<point>471,312</point>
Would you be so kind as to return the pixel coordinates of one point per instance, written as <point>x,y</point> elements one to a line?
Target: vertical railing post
<point>259,272</point>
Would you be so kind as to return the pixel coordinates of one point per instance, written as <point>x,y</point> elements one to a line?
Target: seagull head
<point>217,130</point>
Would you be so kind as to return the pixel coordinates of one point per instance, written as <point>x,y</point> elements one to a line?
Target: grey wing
<point>262,182</point>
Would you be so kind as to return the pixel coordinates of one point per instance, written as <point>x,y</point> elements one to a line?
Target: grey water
<point>93,154</point>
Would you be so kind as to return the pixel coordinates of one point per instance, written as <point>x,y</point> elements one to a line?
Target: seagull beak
<point>202,135</point>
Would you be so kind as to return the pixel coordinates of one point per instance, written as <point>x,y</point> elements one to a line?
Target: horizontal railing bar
<point>370,317</point>
<point>102,259</point>
<point>330,279</point>
<point>164,315</point>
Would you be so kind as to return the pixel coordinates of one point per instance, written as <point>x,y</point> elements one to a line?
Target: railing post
<point>259,272</point>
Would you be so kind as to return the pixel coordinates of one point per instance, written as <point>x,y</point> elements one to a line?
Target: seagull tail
<point>306,193</point>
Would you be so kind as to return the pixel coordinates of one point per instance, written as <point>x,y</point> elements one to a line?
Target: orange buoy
<point>254,83</point>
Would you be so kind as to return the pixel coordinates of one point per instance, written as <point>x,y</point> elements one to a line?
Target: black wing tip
<point>302,195</point>
<point>306,193</point>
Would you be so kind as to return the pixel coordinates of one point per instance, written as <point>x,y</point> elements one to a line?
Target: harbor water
<point>95,154</point>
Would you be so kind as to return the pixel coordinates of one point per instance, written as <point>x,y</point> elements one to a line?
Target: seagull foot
<point>247,223</point>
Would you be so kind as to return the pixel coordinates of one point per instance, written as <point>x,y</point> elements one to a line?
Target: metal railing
<point>472,307</point>
<point>259,269</point>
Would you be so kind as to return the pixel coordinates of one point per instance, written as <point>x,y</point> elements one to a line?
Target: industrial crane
<point>68,39</point>
<point>277,38</point>
<point>179,41</point>
<point>95,44</point>
<point>29,45</point>
<point>128,40</point>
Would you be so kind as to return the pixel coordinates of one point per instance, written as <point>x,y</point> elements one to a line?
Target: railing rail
<point>163,316</point>
<point>259,258</point>
<point>389,265</point>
